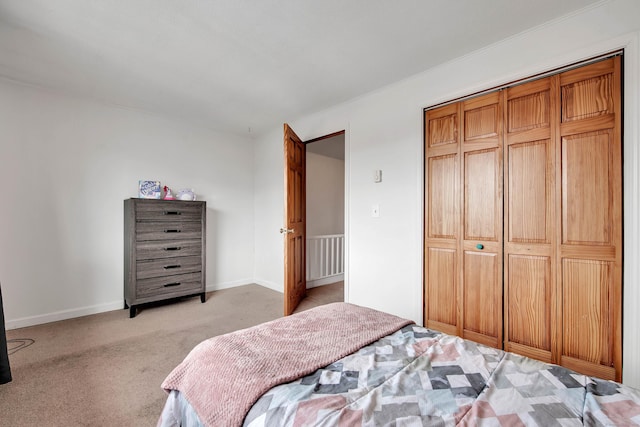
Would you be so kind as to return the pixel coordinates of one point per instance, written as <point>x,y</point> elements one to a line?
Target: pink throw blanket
<point>223,377</point>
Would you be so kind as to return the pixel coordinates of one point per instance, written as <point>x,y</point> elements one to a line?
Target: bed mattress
<point>420,377</point>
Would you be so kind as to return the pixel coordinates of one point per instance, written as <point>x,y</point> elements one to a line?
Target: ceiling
<point>329,147</point>
<point>245,66</point>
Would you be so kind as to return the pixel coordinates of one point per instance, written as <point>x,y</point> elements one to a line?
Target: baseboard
<point>325,281</point>
<point>273,286</point>
<point>227,285</point>
<point>24,322</point>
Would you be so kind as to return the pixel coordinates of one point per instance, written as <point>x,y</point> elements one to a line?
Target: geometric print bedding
<point>419,377</point>
<point>524,391</point>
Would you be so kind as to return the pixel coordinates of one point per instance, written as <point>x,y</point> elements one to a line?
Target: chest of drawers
<point>164,251</point>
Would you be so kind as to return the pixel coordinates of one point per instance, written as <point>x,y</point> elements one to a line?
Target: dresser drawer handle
<point>173,231</point>
<point>173,248</point>
<point>168,285</point>
<point>167,267</point>
<point>172,213</point>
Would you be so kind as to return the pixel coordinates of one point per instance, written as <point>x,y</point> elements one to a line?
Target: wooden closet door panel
<point>590,247</point>
<point>529,271</point>
<point>529,320</point>
<point>530,180</point>
<point>482,211</point>
<point>441,311</point>
<point>481,122</point>
<point>442,290</point>
<point>482,298</point>
<point>442,197</point>
<point>442,219</point>
<point>587,193</point>
<point>590,242</point>
<point>529,107</point>
<point>481,220</point>
<point>441,128</point>
<point>587,316</point>
<point>591,91</point>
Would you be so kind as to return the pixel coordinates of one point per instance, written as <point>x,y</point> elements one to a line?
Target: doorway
<point>325,189</point>
<point>324,218</point>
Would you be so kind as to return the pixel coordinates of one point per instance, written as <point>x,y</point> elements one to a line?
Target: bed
<point>346,365</point>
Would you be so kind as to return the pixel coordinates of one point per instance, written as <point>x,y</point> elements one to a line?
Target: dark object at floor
<point>5,370</point>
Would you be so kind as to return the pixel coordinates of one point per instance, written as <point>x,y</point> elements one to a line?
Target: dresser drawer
<point>168,211</point>
<point>169,230</point>
<point>168,267</point>
<point>168,249</point>
<point>181,284</point>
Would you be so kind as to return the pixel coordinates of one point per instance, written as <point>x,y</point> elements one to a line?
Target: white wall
<point>384,131</point>
<point>325,195</point>
<point>66,165</point>
<point>268,161</point>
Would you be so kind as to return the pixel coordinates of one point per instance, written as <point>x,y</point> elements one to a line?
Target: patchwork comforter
<point>417,377</point>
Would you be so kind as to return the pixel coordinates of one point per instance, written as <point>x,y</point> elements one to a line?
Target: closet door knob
<point>480,246</point>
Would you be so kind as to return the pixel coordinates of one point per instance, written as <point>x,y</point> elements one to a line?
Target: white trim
<point>56,316</point>
<point>271,285</point>
<point>631,213</point>
<point>227,285</point>
<point>419,296</point>
<point>325,281</point>
<point>347,209</point>
<point>24,322</point>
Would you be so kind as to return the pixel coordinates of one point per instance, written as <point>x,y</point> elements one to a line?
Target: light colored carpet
<point>106,369</point>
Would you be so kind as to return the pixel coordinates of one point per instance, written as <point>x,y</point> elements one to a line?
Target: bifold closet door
<point>481,220</point>
<point>563,219</point>
<point>442,219</point>
<point>559,271</point>
<point>463,227</point>
<point>529,244</point>
<point>589,236</point>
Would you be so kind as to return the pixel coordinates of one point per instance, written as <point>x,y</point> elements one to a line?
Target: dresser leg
<point>132,312</point>
<point>203,297</point>
<point>126,305</point>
